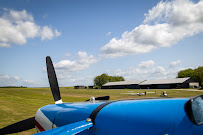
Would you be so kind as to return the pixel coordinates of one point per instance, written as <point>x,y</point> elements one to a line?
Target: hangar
<point>122,85</point>
<point>186,82</point>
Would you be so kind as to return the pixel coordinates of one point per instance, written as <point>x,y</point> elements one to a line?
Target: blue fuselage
<point>152,116</point>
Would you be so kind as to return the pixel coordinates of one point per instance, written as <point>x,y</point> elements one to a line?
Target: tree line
<point>13,86</point>
<point>195,74</point>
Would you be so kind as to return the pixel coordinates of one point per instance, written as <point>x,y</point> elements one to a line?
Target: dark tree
<point>195,74</point>
<point>100,80</point>
<point>104,78</point>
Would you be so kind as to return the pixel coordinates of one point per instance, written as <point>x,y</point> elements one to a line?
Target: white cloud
<point>73,80</point>
<point>57,33</point>
<point>18,26</point>
<point>18,16</point>
<point>164,25</point>
<point>7,80</point>
<point>47,33</point>
<point>174,63</point>
<point>177,12</point>
<point>68,54</point>
<point>160,12</point>
<point>4,45</point>
<point>146,64</point>
<point>148,72</point>
<point>29,82</point>
<point>69,72</point>
<point>108,34</point>
<point>83,60</point>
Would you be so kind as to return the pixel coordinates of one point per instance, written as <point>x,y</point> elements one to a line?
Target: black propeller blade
<point>101,98</point>
<point>19,126</point>
<point>53,80</point>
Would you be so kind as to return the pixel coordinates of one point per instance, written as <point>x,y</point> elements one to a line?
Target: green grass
<point>21,103</point>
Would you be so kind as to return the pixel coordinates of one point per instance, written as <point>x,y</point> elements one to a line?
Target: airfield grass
<point>21,103</point>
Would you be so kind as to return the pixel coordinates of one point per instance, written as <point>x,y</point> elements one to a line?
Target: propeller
<point>19,126</point>
<point>30,122</point>
<point>53,81</point>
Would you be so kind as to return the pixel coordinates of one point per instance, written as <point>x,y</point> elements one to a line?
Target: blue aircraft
<point>97,116</point>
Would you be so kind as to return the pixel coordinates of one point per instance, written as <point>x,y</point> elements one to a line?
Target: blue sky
<point>138,40</point>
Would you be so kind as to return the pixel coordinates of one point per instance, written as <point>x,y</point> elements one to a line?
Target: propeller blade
<point>53,81</point>
<point>101,98</point>
<point>70,129</point>
<point>19,126</point>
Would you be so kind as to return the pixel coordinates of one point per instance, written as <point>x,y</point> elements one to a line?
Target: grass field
<point>21,103</point>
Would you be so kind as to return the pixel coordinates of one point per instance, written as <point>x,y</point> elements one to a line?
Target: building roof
<point>165,81</point>
<point>122,83</point>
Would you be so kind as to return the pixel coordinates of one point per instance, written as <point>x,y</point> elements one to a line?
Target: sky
<point>136,39</point>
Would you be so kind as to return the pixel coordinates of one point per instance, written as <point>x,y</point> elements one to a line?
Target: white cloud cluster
<point>82,62</point>
<point>18,26</point>
<point>148,72</point>
<point>108,34</point>
<point>68,71</point>
<point>47,33</point>
<point>164,25</point>
<point>174,63</point>
<point>76,80</point>
<point>6,80</point>
<point>146,64</point>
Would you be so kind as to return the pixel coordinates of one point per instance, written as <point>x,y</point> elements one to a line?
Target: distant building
<point>122,85</point>
<point>153,84</point>
<point>90,87</point>
<point>80,87</point>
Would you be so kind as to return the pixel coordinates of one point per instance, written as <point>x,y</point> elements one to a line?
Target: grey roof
<point>165,81</point>
<point>122,83</point>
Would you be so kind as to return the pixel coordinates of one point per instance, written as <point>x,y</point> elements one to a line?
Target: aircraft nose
<point>42,123</point>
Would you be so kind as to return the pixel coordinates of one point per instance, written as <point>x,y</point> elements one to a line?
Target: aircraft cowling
<point>154,117</point>
<point>57,115</point>
<point>44,120</point>
<point>151,116</point>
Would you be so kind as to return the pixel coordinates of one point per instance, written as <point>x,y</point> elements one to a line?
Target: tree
<point>104,78</point>
<point>185,73</point>
<point>195,74</point>
<point>199,75</point>
<point>100,80</point>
